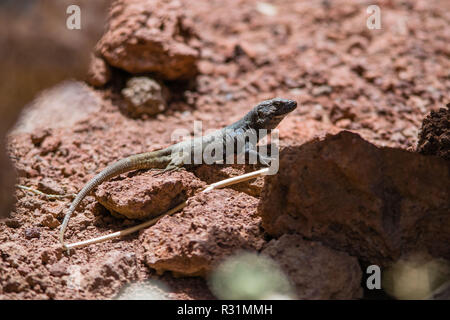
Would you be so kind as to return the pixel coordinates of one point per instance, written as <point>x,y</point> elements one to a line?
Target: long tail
<point>124,165</point>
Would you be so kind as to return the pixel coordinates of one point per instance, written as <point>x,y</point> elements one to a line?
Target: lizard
<point>265,115</point>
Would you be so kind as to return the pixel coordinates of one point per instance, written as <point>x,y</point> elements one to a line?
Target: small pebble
<point>31,233</point>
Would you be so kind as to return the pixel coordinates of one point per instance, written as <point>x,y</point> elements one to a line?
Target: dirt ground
<point>377,83</point>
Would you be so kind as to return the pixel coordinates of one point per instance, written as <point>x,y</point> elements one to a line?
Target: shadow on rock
<point>374,203</point>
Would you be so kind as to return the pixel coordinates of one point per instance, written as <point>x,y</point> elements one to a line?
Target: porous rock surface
<point>144,95</point>
<point>434,135</point>
<point>115,268</point>
<point>99,73</point>
<point>150,36</point>
<point>213,226</point>
<point>310,265</point>
<point>143,196</point>
<point>374,203</point>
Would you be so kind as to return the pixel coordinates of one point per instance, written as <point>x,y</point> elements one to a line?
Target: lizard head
<point>269,113</point>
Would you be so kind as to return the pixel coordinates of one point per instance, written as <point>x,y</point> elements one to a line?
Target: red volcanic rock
<point>374,203</point>
<point>310,266</point>
<point>31,233</point>
<point>50,186</point>
<point>213,226</point>
<point>49,221</point>
<point>99,73</point>
<point>116,268</point>
<point>434,136</point>
<point>150,36</point>
<point>145,195</point>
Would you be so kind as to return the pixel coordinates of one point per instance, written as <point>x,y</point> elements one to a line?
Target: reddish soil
<point>377,83</point>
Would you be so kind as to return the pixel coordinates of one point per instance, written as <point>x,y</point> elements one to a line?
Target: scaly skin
<point>266,115</point>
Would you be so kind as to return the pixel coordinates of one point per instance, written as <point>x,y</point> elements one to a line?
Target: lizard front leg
<point>264,160</point>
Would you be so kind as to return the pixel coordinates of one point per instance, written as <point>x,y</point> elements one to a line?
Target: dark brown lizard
<point>266,115</point>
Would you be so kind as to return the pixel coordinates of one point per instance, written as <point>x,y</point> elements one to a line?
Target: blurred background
<point>37,50</point>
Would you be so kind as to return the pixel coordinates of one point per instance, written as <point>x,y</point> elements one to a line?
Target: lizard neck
<point>241,124</point>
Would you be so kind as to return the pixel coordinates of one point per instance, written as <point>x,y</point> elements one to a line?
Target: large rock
<point>434,136</point>
<point>374,203</point>
<point>316,271</point>
<point>213,226</point>
<point>150,36</point>
<point>145,195</point>
<point>51,107</point>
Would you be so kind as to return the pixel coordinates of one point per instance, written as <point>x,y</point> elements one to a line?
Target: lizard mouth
<point>288,106</point>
